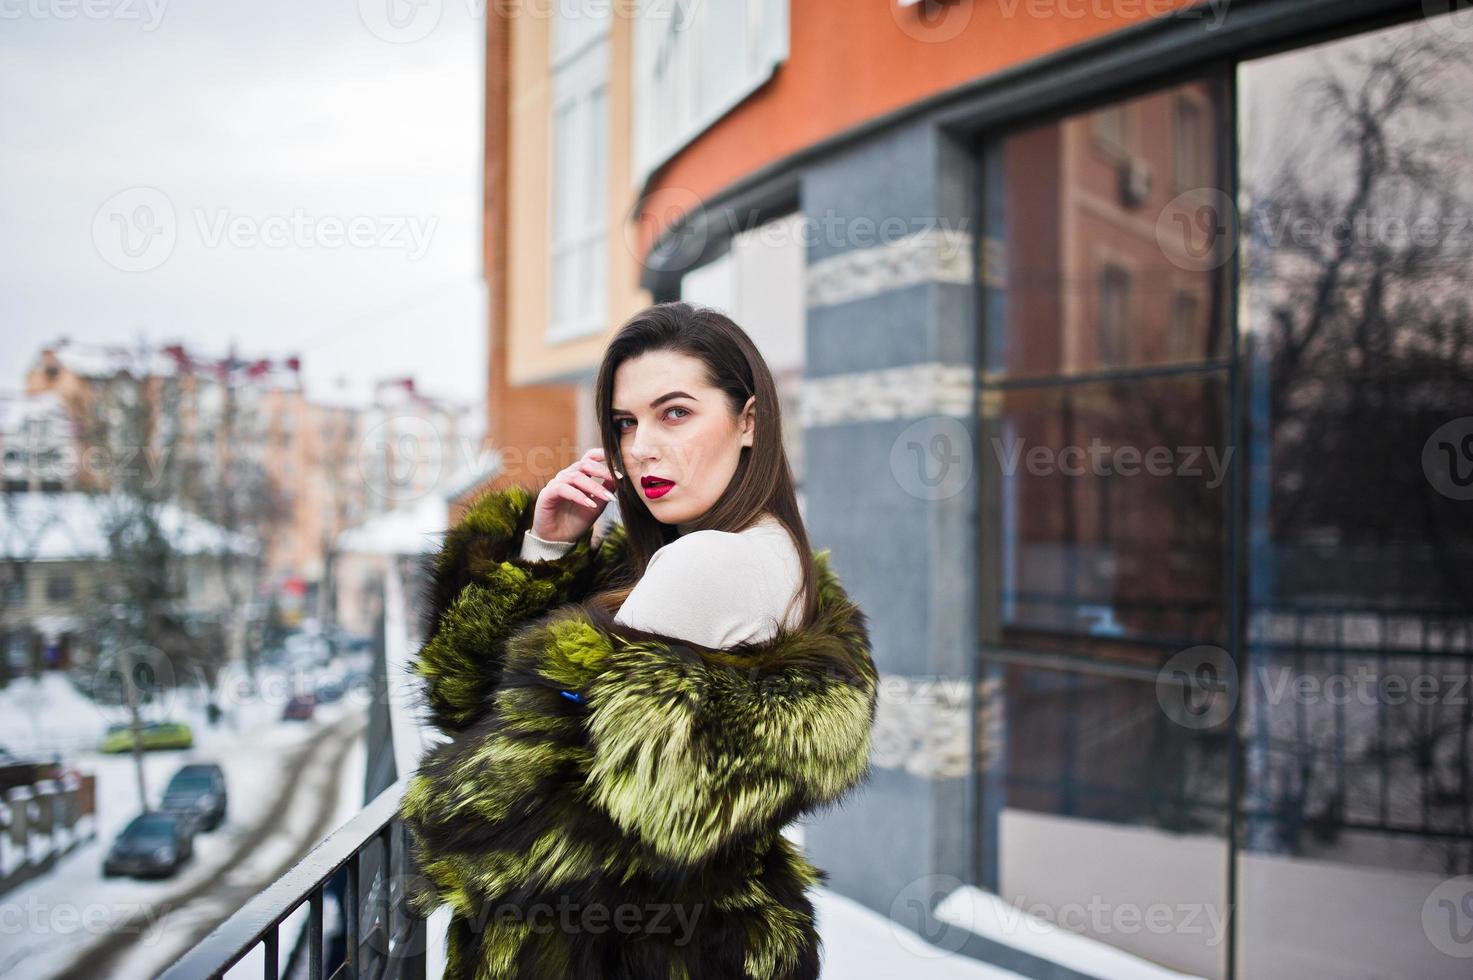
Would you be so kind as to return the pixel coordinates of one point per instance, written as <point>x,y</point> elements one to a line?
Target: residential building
<point>1108,406</point>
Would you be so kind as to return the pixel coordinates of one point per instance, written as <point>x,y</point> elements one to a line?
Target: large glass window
<point>1226,554</point>
<point>580,155</point>
<point>1106,482</point>
<point>1357,811</point>
<point>693,63</point>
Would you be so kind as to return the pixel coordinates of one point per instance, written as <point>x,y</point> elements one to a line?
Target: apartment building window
<point>694,63</point>
<point>1186,318</point>
<point>1110,129</point>
<point>578,275</point>
<point>60,587</point>
<point>1114,313</point>
<point>1191,145</point>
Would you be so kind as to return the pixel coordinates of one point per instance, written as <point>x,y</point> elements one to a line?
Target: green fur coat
<point>609,803</point>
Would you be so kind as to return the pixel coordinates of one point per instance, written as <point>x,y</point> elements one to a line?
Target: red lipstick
<point>655,487</point>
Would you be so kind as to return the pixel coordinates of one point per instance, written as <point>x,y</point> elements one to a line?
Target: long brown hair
<point>763,481</point>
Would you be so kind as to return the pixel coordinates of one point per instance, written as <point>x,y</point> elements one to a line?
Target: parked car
<point>154,735</point>
<point>197,792</point>
<point>329,689</point>
<point>299,708</point>
<point>154,844</point>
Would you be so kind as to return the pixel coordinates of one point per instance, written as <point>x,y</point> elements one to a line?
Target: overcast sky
<point>303,177</point>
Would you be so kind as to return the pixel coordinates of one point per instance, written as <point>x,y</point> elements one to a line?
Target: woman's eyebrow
<point>665,398</point>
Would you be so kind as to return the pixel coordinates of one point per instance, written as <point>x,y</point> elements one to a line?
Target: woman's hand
<point>574,498</point>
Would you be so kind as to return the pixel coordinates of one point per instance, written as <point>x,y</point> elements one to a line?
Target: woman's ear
<point>749,421</point>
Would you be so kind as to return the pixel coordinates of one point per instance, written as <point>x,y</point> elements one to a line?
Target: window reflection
<point>1360,622</point>
<point>1073,235</point>
<point>1351,550</point>
<point>1105,476</point>
<point>1114,496</point>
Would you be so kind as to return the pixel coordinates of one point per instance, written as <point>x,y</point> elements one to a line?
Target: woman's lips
<point>654,489</point>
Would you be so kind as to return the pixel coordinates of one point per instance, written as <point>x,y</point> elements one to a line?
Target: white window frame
<point>580,74</point>
<point>670,37</point>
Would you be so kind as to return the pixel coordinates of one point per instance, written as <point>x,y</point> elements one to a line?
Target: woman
<point>631,724</point>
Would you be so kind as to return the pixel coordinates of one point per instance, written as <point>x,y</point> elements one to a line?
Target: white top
<point>715,588</point>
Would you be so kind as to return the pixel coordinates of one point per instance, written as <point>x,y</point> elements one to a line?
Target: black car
<point>154,844</point>
<point>329,690</point>
<point>197,791</point>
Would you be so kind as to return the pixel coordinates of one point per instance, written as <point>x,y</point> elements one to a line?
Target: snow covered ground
<point>46,924</point>
<point>861,944</point>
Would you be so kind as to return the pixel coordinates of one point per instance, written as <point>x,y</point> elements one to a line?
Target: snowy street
<point>289,784</point>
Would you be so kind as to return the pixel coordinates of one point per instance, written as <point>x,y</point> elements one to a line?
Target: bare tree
<point>1365,346</point>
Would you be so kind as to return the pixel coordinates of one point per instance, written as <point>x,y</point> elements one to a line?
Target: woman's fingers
<point>566,491</point>
<point>597,452</point>
<point>591,485</point>
<point>598,471</point>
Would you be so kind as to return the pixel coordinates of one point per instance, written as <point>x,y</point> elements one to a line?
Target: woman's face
<point>673,426</point>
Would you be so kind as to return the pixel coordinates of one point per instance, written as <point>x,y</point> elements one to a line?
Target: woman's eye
<point>620,427</point>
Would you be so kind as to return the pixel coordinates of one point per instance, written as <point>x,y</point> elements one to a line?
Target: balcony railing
<point>384,938</point>
<point>42,822</point>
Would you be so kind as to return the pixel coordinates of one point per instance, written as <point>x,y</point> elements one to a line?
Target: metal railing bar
<point>352,915</point>
<point>272,953</point>
<point>314,935</point>
<point>385,906</point>
<point>1076,663</point>
<point>233,938</point>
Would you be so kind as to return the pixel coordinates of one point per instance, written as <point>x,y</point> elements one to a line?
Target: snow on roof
<point>417,527</point>
<point>106,360</point>
<point>413,529</point>
<point>73,526</point>
<point>476,471</point>
<point>17,408</point>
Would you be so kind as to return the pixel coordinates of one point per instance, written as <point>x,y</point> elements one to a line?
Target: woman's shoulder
<point>716,587</point>
<point>761,543</point>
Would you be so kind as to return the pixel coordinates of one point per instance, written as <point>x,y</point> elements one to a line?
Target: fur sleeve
<point>479,590</point>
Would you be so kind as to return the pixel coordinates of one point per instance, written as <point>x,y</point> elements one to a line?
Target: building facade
<point>239,441</point>
<point>1129,360</point>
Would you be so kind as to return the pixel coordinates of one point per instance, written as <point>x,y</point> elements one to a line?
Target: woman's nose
<point>643,450</point>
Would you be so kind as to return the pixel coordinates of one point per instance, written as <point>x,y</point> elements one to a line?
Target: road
<point>309,798</point>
